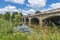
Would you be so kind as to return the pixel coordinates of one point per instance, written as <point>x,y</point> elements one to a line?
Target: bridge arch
<point>34,20</point>
<point>52,19</point>
<point>27,19</point>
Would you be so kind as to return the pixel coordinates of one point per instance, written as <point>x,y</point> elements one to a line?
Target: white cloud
<point>16,1</point>
<point>8,8</point>
<point>56,5</point>
<point>30,11</point>
<point>52,6</point>
<point>36,3</point>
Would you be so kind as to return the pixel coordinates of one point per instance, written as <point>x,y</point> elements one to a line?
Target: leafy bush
<point>5,26</point>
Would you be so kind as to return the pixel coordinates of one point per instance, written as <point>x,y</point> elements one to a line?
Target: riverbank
<point>43,33</point>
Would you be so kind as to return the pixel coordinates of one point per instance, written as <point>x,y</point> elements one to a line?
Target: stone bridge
<point>46,17</point>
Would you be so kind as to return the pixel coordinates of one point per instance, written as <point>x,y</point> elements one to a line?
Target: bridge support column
<point>29,22</point>
<point>24,20</point>
<point>40,22</point>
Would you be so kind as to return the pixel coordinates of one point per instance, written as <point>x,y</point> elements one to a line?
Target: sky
<point>28,6</point>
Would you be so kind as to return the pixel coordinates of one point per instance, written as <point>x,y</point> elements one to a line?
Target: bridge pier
<point>40,21</point>
<point>24,20</point>
<point>29,23</point>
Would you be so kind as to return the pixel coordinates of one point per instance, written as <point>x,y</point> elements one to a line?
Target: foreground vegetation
<point>44,33</point>
<point>8,22</point>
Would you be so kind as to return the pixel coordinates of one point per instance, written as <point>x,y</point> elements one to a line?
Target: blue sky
<point>28,6</point>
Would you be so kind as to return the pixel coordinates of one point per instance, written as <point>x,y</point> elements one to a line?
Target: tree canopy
<point>7,16</point>
<point>37,12</point>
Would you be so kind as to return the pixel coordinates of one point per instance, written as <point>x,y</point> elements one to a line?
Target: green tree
<point>7,16</point>
<point>21,14</point>
<point>13,14</point>
<point>37,12</point>
<point>1,15</point>
<point>16,18</point>
<point>5,26</point>
<point>29,14</point>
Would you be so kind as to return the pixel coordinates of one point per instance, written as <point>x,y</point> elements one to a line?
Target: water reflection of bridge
<point>46,17</point>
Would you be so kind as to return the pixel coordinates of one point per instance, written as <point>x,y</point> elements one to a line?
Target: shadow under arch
<point>34,21</point>
<point>52,19</point>
<point>27,19</point>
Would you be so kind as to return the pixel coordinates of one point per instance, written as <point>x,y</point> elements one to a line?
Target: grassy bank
<point>43,32</point>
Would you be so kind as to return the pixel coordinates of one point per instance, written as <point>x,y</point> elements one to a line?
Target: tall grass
<point>40,33</point>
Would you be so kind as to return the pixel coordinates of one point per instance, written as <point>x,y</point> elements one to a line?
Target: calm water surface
<point>23,28</point>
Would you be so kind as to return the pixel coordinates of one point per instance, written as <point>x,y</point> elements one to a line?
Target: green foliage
<point>7,16</point>
<point>21,14</point>
<point>14,36</point>
<point>29,14</point>
<point>13,14</point>
<point>16,18</point>
<point>5,32</point>
<point>40,33</point>
<point>37,12</point>
<point>1,16</point>
<point>44,33</point>
<point>5,26</point>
